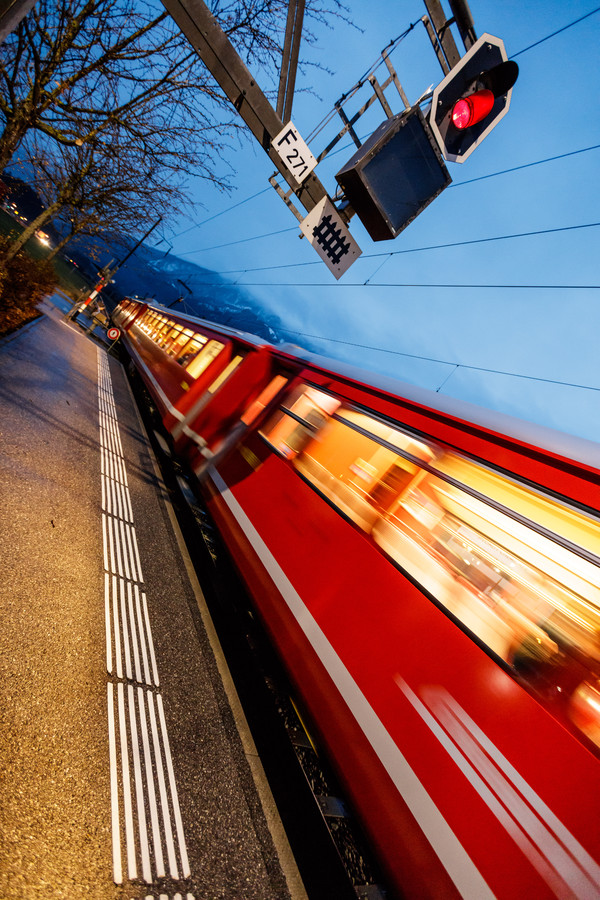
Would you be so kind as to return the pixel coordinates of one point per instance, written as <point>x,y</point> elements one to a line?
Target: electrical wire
<point>455,366</point>
<point>317,129</point>
<point>445,362</point>
<point>554,33</point>
<point>396,284</point>
<point>256,237</point>
<point>222,213</point>
<point>361,81</point>
<point>537,162</point>
<point>372,68</point>
<point>388,253</point>
<point>500,237</point>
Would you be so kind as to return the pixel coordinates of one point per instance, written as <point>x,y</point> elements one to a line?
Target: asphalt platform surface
<point>126,766</point>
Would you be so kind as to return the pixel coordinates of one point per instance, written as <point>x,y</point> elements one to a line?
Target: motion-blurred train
<point>429,573</point>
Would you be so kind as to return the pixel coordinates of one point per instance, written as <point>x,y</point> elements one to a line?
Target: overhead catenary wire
<point>455,184</point>
<point>397,284</point>
<point>445,362</point>
<point>485,240</point>
<point>376,64</point>
<point>387,254</point>
<point>222,213</point>
<point>257,237</point>
<point>390,253</point>
<point>380,61</point>
<point>555,33</point>
<point>538,162</point>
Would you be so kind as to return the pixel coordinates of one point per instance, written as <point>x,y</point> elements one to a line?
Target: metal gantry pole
<point>289,60</point>
<point>225,64</point>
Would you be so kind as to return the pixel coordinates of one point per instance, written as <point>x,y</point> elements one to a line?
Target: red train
<point>429,573</point>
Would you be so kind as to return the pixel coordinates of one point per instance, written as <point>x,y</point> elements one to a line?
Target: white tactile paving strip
<point>166,897</point>
<point>148,841</point>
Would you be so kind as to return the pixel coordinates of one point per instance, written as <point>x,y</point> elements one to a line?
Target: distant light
<point>472,109</point>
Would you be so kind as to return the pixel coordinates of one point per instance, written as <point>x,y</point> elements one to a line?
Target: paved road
<point>126,769</point>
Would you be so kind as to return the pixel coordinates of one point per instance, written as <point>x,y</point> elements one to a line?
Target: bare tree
<point>104,61</point>
<point>74,68</point>
<point>103,186</point>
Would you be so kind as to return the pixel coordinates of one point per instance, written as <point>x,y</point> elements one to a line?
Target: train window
<point>202,361</point>
<point>537,507</point>
<point>173,335</point>
<point>163,330</point>
<point>192,344</point>
<point>145,321</point>
<point>178,339</point>
<point>128,310</point>
<point>293,427</point>
<point>224,375</point>
<point>172,332</point>
<point>164,333</point>
<point>531,594</point>
<point>350,463</point>
<point>518,569</point>
<point>160,330</point>
<point>154,325</point>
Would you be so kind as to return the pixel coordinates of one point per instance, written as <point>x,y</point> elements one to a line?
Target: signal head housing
<point>483,67</point>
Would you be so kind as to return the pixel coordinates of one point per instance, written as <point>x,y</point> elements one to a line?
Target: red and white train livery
<point>429,573</point>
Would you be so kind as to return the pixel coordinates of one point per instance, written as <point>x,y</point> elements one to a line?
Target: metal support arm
<point>222,60</point>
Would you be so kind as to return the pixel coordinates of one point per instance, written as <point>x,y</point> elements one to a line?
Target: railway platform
<point>127,769</point>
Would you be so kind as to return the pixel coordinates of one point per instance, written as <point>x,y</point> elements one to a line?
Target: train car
<point>429,574</point>
<point>203,381</point>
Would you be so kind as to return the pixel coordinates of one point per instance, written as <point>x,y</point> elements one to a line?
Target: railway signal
<point>472,98</point>
<point>399,169</point>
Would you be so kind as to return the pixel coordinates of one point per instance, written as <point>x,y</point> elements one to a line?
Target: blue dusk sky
<point>492,294</point>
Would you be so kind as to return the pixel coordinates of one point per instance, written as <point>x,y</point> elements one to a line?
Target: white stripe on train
<point>557,856</point>
<point>453,856</point>
<point>550,848</point>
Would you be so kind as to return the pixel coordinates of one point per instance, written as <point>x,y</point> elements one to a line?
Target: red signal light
<point>472,109</point>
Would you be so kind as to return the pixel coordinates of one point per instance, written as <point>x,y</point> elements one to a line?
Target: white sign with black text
<point>330,237</point>
<point>293,152</point>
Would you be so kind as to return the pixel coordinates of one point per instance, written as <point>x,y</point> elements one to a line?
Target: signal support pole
<point>443,41</point>
<point>289,62</point>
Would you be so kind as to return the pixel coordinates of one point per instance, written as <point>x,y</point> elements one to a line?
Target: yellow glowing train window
<point>224,375</point>
<point>201,362</point>
<point>517,568</point>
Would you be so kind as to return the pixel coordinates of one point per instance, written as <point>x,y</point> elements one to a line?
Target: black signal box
<point>394,175</point>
